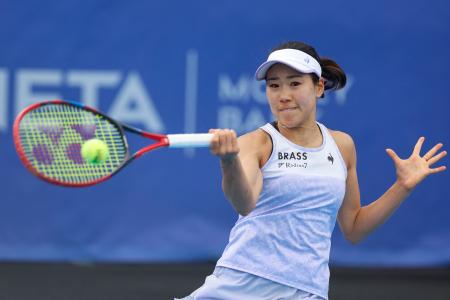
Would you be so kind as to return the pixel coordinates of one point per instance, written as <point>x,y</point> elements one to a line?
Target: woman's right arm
<point>240,163</point>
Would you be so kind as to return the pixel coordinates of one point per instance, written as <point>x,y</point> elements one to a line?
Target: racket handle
<point>189,140</point>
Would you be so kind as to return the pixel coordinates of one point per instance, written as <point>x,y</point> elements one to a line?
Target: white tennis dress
<point>285,241</point>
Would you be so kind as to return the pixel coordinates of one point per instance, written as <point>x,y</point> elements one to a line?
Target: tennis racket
<point>49,135</point>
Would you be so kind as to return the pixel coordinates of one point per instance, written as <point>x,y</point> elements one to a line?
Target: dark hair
<point>335,77</point>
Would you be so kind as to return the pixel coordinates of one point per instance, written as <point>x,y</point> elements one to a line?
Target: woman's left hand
<point>414,169</point>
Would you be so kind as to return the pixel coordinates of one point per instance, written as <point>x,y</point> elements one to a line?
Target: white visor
<point>293,58</point>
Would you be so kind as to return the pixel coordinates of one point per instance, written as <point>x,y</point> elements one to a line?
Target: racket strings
<point>52,136</point>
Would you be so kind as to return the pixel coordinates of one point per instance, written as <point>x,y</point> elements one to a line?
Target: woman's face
<point>292,95</point>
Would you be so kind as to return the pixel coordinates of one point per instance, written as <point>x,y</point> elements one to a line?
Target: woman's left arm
<point>357,222</point>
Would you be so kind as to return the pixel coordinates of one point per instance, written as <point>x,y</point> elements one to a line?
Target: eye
<point>272,85</point>
<point>295,83</point>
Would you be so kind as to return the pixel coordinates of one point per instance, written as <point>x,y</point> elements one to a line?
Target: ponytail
<point>333,74</point>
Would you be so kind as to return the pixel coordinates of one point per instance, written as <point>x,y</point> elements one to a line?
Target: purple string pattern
<point>52,136</point>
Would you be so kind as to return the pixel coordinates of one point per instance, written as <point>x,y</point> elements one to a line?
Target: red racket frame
<point>161,140</point>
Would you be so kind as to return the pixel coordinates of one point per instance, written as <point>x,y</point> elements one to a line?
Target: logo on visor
<point>306,59</point>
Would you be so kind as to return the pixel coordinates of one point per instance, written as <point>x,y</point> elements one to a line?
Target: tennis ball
<point>95,151</point>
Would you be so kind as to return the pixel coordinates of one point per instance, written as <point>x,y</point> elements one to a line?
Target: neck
<point>305,135</point>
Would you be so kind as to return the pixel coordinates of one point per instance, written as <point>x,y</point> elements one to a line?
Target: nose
<point>285,95</point>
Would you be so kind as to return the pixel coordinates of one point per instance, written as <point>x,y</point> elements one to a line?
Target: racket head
<point>49,135</point>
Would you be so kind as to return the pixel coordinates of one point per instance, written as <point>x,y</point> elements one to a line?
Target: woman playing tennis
<point>290,180</point>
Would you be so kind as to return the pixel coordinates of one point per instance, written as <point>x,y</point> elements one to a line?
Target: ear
<point>320,87</point>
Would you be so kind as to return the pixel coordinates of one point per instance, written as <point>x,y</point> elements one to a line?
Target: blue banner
<point>187,66</point>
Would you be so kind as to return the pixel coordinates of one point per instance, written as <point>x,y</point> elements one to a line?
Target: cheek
<point>271,105</point>
<point>271,100</point>
<point>269,94</point>
<point>306,97</point>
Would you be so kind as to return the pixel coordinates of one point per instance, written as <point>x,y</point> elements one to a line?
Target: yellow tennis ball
<point>95,151</point>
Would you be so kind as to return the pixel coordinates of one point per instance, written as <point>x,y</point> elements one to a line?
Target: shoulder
<point>343,139</point>
<point>346,146</point>
<point>257,144</point>
<point>255,139</point>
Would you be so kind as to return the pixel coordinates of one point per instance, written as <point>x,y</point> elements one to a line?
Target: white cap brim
<point>296,59</point>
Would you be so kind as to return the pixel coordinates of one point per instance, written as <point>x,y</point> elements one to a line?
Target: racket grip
<point>189,140</point>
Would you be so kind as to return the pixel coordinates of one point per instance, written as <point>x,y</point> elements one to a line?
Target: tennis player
<point>290,180</point>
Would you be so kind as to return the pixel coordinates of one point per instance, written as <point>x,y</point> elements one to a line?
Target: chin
<point>288,125</point>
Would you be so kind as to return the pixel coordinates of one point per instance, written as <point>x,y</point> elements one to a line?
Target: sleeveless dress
<point>287,237</point>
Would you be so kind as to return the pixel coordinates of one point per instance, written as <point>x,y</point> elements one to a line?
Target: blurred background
<point>155,230</point>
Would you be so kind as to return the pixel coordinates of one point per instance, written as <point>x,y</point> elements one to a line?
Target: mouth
<point>287,109</point>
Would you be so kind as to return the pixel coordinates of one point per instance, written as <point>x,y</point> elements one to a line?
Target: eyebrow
<point>287,77</point>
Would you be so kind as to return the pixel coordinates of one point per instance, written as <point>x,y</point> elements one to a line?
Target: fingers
<point>392,155</point>
<point>224,143</point>
<point>436,158</point>
<point>432,151</point>
<point>418,146</point>
<point>432,158</point>
<point>437,170</point>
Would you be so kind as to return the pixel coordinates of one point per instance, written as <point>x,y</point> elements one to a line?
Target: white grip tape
<point>189,140</point>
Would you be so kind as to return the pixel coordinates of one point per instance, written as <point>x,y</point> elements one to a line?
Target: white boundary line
<point>190,110</point>
<point>3,99</point>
